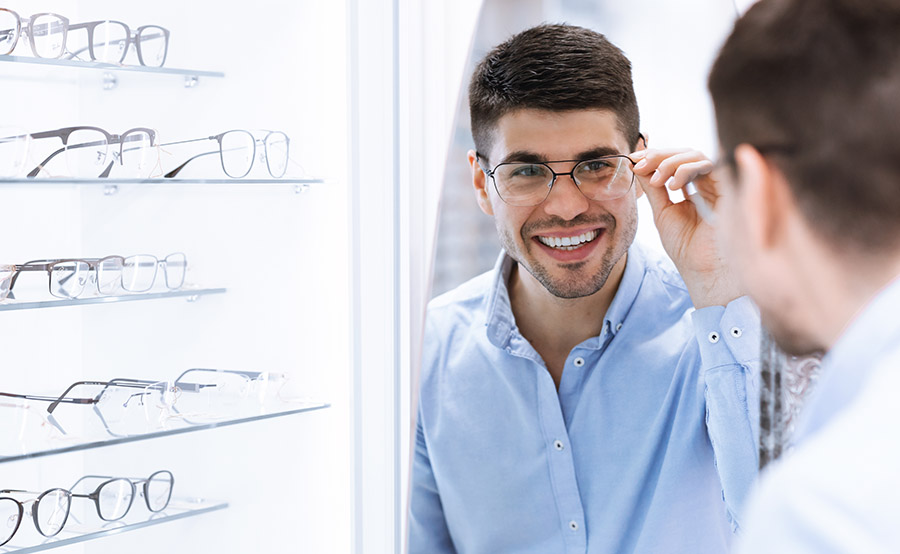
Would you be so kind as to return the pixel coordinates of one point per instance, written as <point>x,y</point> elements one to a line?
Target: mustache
<point>556,222</point>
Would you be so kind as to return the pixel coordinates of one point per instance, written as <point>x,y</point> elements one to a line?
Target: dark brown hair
<point>815,86</point>
<point>555,68</point>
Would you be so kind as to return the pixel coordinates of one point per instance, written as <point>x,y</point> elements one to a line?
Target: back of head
<point>815,86</point>
<point>555,68</point>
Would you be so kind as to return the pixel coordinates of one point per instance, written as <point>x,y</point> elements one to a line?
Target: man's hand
<point>688,239</point>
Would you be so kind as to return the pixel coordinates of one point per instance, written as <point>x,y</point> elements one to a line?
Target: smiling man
<point>584,395</point>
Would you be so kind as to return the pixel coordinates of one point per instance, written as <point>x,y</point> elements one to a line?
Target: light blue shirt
<point>648,446</point>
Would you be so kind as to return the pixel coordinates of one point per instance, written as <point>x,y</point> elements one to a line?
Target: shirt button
<point>573,525</point>
<point>557,444</point>
<point>579,361</point>
<point>736,332</point>
<point>619,327</point>
<point>713,337</point>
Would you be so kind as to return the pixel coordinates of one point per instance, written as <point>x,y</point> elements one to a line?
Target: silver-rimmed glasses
<point>68,278</point>
<point>46,33</point>
<point>529,183</point>
<point>239,148</point>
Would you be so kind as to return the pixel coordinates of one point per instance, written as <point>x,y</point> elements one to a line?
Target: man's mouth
<point>570,243</point>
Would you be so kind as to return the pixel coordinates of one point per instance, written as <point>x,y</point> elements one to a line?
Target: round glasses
<point>49,510</point>
<point>114,496</point>
<point>529,184</point>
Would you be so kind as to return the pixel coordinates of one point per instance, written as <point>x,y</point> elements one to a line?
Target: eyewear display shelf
<point>110,66</point>
<point>96,431</point>
<point>190,294</point>
<point>178,508</point>
<point>112,181</point>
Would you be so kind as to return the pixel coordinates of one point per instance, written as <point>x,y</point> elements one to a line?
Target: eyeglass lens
<point>9,24</point>
<point>48,35</point>
<point>86,153</point>
<point>114,498</point>
<point>51,511</point>
<point>138,155</point>
<point>237,150</point>
<point>277,145</point>
<point>13,149</point>
<point>68,279</point>
<point>10,519</point>
<point>158,490</point>
<point>528,184</point>
<point>152,44</point>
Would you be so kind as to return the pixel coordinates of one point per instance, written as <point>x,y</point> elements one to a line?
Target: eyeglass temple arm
<point>34,172</point>
<point>63,398</point>
<point>175,171</point>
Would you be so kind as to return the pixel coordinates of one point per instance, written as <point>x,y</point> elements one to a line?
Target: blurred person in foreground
<point>807,100</point>
<point>584,395</point>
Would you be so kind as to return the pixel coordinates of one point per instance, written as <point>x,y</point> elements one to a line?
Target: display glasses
<point>14,145</point>
<point>88,154</point>
<point>49,511</point>
<point>528,184</point>
<point>69,278</point>
<point>108,41</point>
<point>114,496</point>
<point>239,148</point>
<point>46,33</point>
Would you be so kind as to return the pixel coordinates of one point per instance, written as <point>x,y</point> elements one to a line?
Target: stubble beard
<point>573,284</point>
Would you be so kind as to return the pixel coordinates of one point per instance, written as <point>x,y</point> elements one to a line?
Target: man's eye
<point>527,171</point>
<point>597,165</point>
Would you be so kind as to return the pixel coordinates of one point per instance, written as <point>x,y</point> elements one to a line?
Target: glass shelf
<point>8,305</point>
<point>29,431</point>
<point>111,67</point>
<point>136,519</point>
<point>112,181</point>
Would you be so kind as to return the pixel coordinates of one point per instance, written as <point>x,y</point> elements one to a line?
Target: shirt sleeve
<point>728,337</point>
<point>428,532</point>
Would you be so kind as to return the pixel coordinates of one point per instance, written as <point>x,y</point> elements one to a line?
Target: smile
<point>569,243</point>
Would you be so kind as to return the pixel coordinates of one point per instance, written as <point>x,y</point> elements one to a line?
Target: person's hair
<point>814,85</point>
<point>554,68</point>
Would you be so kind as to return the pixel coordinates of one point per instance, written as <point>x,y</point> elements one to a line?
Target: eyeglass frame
<point>34,510</point>
<point>29,30</point>
<point>95,495</point>
<point>218,138</point>
<point>133,38</point>
<point>65,132</point>
<point>491,173</point>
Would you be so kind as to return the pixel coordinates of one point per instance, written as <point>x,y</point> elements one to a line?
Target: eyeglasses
<point>238,150</point>
<point>68,278</point>
<point>114,496</point>
<point>107,42</point>
<point>528,184</point>
<point>14,146</point>
<point>86,151</point>
<point>50,36</point>
<point>49,510</point>
<point>46,33</point>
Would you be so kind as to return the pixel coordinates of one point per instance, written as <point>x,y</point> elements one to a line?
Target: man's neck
<point>555,325</point>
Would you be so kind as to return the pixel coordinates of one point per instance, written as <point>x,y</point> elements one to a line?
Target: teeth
<point>569,243</point>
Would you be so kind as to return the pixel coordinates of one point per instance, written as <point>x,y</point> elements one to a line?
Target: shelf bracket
<point>191,81</point>
<point>110,81</point>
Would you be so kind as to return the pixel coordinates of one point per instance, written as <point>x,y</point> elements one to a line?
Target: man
<point>807,98</point>
<point>572,399</point>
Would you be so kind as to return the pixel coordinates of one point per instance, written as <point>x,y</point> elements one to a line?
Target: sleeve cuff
<point>728,334</point>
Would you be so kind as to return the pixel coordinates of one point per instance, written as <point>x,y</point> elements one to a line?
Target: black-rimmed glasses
<point>46,33</point>
<point>49,510</point>
<point>529,183</point>
<point>238,150</point>
<point>114,496</point>
<point>87,152</point>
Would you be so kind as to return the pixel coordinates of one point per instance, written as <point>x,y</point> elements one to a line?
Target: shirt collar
<point>501,322</point>
<point>851,359</point>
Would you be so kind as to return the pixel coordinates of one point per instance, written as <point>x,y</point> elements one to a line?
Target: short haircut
<point>555,68</point>
<point>814,85</point>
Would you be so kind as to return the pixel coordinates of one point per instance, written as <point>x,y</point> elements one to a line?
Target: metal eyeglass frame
<point>491,173</point>
<point>34,509</point>
<point>133,37</point>
<point>29,29</point>
<point>218,138</point>
<point>65,132</point>
<point>132,482</point>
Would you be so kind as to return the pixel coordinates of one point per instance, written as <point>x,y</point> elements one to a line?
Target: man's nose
<point>566,199</point>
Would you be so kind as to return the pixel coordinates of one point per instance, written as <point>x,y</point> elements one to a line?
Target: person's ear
<point>643,141</point>
<point>479,180</point>
<point>641,145</point>
<point>765,197</point>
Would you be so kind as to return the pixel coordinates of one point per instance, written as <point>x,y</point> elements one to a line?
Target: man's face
<point>601,232</point>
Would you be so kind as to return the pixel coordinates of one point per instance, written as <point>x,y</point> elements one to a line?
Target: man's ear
<point>479,180</point>
<point>765,196</point>
<point>641,145</point>
<point>643,141</point>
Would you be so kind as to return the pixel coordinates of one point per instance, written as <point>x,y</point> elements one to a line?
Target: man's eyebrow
<point>526,156</point>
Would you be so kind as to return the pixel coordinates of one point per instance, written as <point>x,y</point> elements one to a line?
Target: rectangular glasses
<point>238,149</point>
